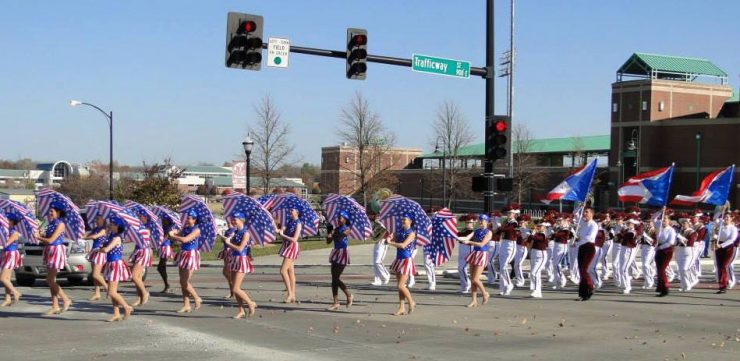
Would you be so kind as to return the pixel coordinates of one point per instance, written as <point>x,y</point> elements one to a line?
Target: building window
<point>346,159</point>
<point>661,106</point>
<point>615,107</point>
<point>644,105</point>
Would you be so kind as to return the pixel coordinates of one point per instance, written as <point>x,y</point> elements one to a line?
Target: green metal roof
<point>205,169</point>
<point>16,173</point>
<point>225,181</point>
<point>644,64</point>
<point>593,143</point>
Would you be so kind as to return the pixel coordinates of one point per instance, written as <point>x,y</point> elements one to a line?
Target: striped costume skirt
<point>404,266</point>
<point>290,250</point>
<point>241,264</point>
<point>165,252</point>
<point>117,271</point>
<point>55,257</point>
<point>96,257</point>
<point>10,260</point>
<point>142,257</point>
<point>339,256</point>
<point>477,258</point>
<point>188,260</point>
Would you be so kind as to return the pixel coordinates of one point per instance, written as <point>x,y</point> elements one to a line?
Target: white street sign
<point>278,50</point>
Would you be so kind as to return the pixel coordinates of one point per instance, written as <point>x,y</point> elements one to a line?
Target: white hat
<point>633,221</point>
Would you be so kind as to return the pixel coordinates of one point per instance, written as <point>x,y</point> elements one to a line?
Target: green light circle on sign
<point>278,60</point>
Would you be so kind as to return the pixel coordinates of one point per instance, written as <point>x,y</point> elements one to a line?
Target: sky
<point>159,66</point>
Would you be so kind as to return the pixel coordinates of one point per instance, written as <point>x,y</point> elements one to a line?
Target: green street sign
<point>441,66</point>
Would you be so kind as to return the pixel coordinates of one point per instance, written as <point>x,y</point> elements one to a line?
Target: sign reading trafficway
<point>278,50</point>
<point>441,66</point>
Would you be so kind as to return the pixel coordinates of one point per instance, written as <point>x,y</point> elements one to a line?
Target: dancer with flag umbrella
<point>21,223</point>
<point>27,224</point>
<point>141,259</point>
<point>98,235</point>
<point>170,222</point>
<point>478,258</point>
<point>64,221</point>
<point>283,205</point>
<point>335,204</point>
<point>10,258</point>
<point>339,257</point>
<point>116,269</point>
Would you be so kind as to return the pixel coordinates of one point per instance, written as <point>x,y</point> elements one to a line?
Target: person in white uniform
<point>508,233</point>
<point>521,250</point>
<point>380,236</point>
<point>647,255</point>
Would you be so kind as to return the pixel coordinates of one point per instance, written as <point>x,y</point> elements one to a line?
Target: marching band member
<point>560,237</point>
<point>165,253</point>
<point>97,259</point>
<point>538,258</point>
<point>291,233</point>
<point>10,260</point>
<point>684,253</point>
<point>724,253</point>
<point>585,243</point>
<point>380,248</point>
<point>699,245</point>
<point>550,249</point>
<point>599,242</point>
<point>731,280</point>
<point>463,252</point>
<point>404,240</point>
<point>116,269</point>
<point>522,243</point>
<point>628,253</point>
<point>339,258</point>
<point>140,260</point>
<point>240,263</point>
<point>478,258</point>
<point>606,247</point>
<point>619,228</point>
<point>508,233</point>
<point>494,246</point>
<point>188,259</point>
<point>663,254</point>
<point>225,255</point>
<point>647,254</point>
<point>55,256</point>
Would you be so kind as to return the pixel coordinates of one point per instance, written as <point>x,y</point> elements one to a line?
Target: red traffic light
<point>359,40</point>
<point>248,26</point>
<point>500,126</point>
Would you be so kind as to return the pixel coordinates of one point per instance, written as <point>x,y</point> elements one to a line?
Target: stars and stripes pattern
<point>339,256</point>
<point>156,233</point>
<point>287,201</point>
<point>28,225</point>
<point>55,257</point>
<point>267,200</point>
<point>335,204</point>
<point>4,229</point>
<point>403,266</point>
<point>444,236</point>
<point>259,222</point>
<point>290,250</point>
<point>241,264</point>
<point>170,215</point>
<point>395,207</point>
<point>189,260</point>
<point>117,271</point>
<point>10,260</point>
<point>135,231</point>
<point>206,222</point>
<point>74,225</point>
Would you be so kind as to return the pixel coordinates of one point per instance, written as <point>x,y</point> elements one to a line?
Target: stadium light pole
<point>109,118</point>
<point>444,173</point>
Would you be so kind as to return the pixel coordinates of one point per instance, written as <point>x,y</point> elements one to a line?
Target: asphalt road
<point>699,325</point>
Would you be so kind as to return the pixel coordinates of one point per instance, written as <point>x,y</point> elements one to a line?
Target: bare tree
<point>454,131</point>
<point>526,175</point>
<point>362,128</point>
<point>271,141</point>
<point>578,157</point>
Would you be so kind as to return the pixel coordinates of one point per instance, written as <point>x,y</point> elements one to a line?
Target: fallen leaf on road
<point>562,323</point>
<point>524,321</point>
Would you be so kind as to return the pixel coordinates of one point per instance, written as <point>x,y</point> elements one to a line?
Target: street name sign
<point>278,50</point>
<point>440,66</point>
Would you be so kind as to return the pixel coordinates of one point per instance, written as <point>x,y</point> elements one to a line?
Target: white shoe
<point>464,292</point>
<point>508,290</point>
<point>550,279</point>
<point>520,284</point>
<point>432,287</point>
<point>536,294</point>
<point>385,281</point>
<point>598,285</point>
<point>411,284</point>
<point>627,291</point>
<point>376,284</point>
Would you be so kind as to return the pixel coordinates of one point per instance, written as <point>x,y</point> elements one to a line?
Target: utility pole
<point>490,87</point>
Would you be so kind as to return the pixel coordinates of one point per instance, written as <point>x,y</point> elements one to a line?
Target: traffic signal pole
<point>490,87</point>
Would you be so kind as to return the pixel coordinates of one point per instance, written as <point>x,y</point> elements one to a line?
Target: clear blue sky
<point>159,65</point>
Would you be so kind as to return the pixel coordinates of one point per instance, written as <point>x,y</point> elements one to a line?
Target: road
<point>699,325</point>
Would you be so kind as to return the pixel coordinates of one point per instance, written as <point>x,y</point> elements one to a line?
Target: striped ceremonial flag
<point>444,236</point>
<point>713,190</point>
<point>649,188</point>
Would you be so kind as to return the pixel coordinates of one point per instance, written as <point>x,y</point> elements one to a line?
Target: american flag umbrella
<point>135,232</point>
<point>206,222</point>
<point>259,222</point>
<point>4,229</point>
<point>287,201</point>
<point>268,200</point>
<point>335,204</point>
<point>444,236</point>
<point>395,207</point>
<point>74,225</point>
<point>165,213</point>
<point>28,224</point>
<point>154,225</point>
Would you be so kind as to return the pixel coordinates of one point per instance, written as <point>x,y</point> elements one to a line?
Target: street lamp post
<point>698,157</point>
<point>444,173</point>
<point>109,117</point>
<point>247,144</point>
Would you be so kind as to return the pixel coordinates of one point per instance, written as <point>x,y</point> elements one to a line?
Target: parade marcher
<point>55,256</point>
<point>550,248</point>
<point>292,232</point>
<point>339,259</point>
<point>562,233</point>
<point>538,258</point>
<point>463,252</point>
<point>164,250</point>
<point>522,247</point>
<point>430,267</point>
<point>240,263</point>
<point>478,258</point>
<point>731,278</point>
<point>225,255</point>
<point>585,243</point>
<point>10,260</point>
<point>116,269</point>
<point>606,247</point>
<point>619,228</point>
<point>380,248</point>
<point>97,259</point>
<point>141,259</point>
<point>628,253</point>
<point>684,253</point>
<point>508,233</point>
<point>188,259</point>
<point>724,253</point>
<point>404,240</point>
<point>663,253</point>
<point>494,246</point>
<point>647,254</point>
<point>601,235</point>
<point>699,245</point>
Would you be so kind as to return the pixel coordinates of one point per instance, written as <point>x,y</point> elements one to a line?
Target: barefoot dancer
<point>405,241</point>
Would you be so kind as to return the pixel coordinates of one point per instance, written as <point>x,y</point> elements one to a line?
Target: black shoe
<point>586,298</point>
<point>721,292</point>
<point>662,294</point>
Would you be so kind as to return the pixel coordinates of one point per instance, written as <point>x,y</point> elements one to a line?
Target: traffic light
<point>244,41</point>
<point>356,53</point>
<point>498,131</point>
